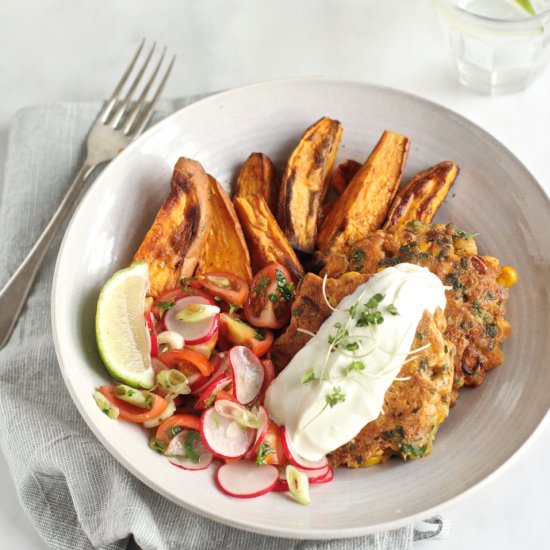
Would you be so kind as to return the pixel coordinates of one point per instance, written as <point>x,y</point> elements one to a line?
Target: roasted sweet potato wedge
<point>258,176</point>
<point>343,174</point>
<point>266,241</point>
<point>363,206</point>
<point>174,242</point>
<point>422,195</point>
<point>305,182</point>
<point>225,247</point>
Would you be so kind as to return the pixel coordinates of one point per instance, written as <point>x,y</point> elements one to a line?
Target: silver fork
<point>120,121</point>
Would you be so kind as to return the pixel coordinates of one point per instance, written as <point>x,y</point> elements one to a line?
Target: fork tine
<point>148,112</point>
<point>107,109</point>
<point>121,109</point>
<point>132,115</point>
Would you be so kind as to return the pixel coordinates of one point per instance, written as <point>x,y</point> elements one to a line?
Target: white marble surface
<point>71,50</point>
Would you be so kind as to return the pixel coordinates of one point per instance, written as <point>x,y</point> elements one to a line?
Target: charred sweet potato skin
<point>174,242</point>
<point>305,182</point>
<point>258,176</point>
<point>266,241</point>
<point>421,197</point>
<point>343,174</point>
<point>364,204</point>
<point>225,246</point>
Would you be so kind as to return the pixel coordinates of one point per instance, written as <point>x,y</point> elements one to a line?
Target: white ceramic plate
<point>494,195</point>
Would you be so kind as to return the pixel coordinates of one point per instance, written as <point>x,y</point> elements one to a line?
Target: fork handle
<point>16,290</point>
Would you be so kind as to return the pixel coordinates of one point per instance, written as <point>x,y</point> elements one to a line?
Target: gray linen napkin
<point>74,492</point>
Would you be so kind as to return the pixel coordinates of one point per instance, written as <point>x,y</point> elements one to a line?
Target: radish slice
<point>223,437</point>
<point>189,454</point>
<point>149,319</point>
<point>246,480</point>
<point>328,477</point>
<point>194,318</point>
<point>295,459</point>
<point>208,396</point>
<point>248,374</point>
<point>219,366</point>
<point>261,430</point>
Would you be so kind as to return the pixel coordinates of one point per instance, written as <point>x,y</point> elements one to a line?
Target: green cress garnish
<point>337,396</point>
<point>308,376</point>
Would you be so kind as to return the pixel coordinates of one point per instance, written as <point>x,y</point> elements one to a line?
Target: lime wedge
<point>121,333</point>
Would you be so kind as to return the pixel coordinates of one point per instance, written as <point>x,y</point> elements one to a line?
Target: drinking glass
<point>500,46</point>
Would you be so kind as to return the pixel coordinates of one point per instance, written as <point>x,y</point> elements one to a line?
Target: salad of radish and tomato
<point>207,369</point>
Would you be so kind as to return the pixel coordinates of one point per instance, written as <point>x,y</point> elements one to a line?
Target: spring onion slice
<point>106,406</point>
<point>298,485</point>
<point>243,417</point>
<point>173,381</point>
<point>135,397</point>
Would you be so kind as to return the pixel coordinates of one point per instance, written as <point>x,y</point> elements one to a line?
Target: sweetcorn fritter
<point>476,302</point>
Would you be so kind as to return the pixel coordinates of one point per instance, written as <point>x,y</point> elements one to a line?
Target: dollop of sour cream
<point>336,383</point>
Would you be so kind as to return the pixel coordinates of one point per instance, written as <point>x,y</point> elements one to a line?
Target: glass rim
<point>453,4</point>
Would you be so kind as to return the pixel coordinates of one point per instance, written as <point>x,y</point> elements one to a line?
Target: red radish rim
<point>234,364</point>
<point>262,430</point>
<point>207,412</point>
<point>295,459</point>
<point>152,335</point>
<point>218,372</point>
<point>209,390</point>
<point>182,467</point>
<point>259,493</point>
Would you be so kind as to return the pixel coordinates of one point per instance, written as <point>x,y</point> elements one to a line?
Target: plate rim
<point>283,532</point>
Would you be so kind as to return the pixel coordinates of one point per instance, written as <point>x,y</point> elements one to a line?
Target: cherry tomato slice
<point>273,439</point>
<point>270,298</point>
<point>131,413</point>
<point>184,359</point>
<point>165,432</point>
<point>224,285</point>
<point>235,332</point>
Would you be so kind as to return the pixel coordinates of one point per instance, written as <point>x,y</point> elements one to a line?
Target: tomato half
<point>185,359</point>
<point>235,332</point>
<point>224,285</point>
<point>270,298</point>
<point>273,440</point>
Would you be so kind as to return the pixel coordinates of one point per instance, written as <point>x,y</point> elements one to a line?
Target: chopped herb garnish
<point>173,430</point>
<point>261,284</point>
<point>390,261</point>
<point>273,298</point>
<point>259,335</point>
<point>185,282</point>
<point>233,308</point>
<point>337,396</point>
<point>491,329</point>
<point>460,234</point>
<point>157,445</point>
<point>308,376</point>
<point>353,310</point>
<point>357,255</point>
<point>421,335</point>
<point>407,248</point>
<point>412,450</point>
<point>392,309</point>
<point>218,299</point>
<point>297,312</point>
<point>190,439</point>
<point>165,305</point>
<point>264,451</point>
<point>396,433</point>
<point>285,287</point>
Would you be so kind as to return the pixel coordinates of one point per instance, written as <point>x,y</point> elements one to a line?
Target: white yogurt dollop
<point>348,381</point>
